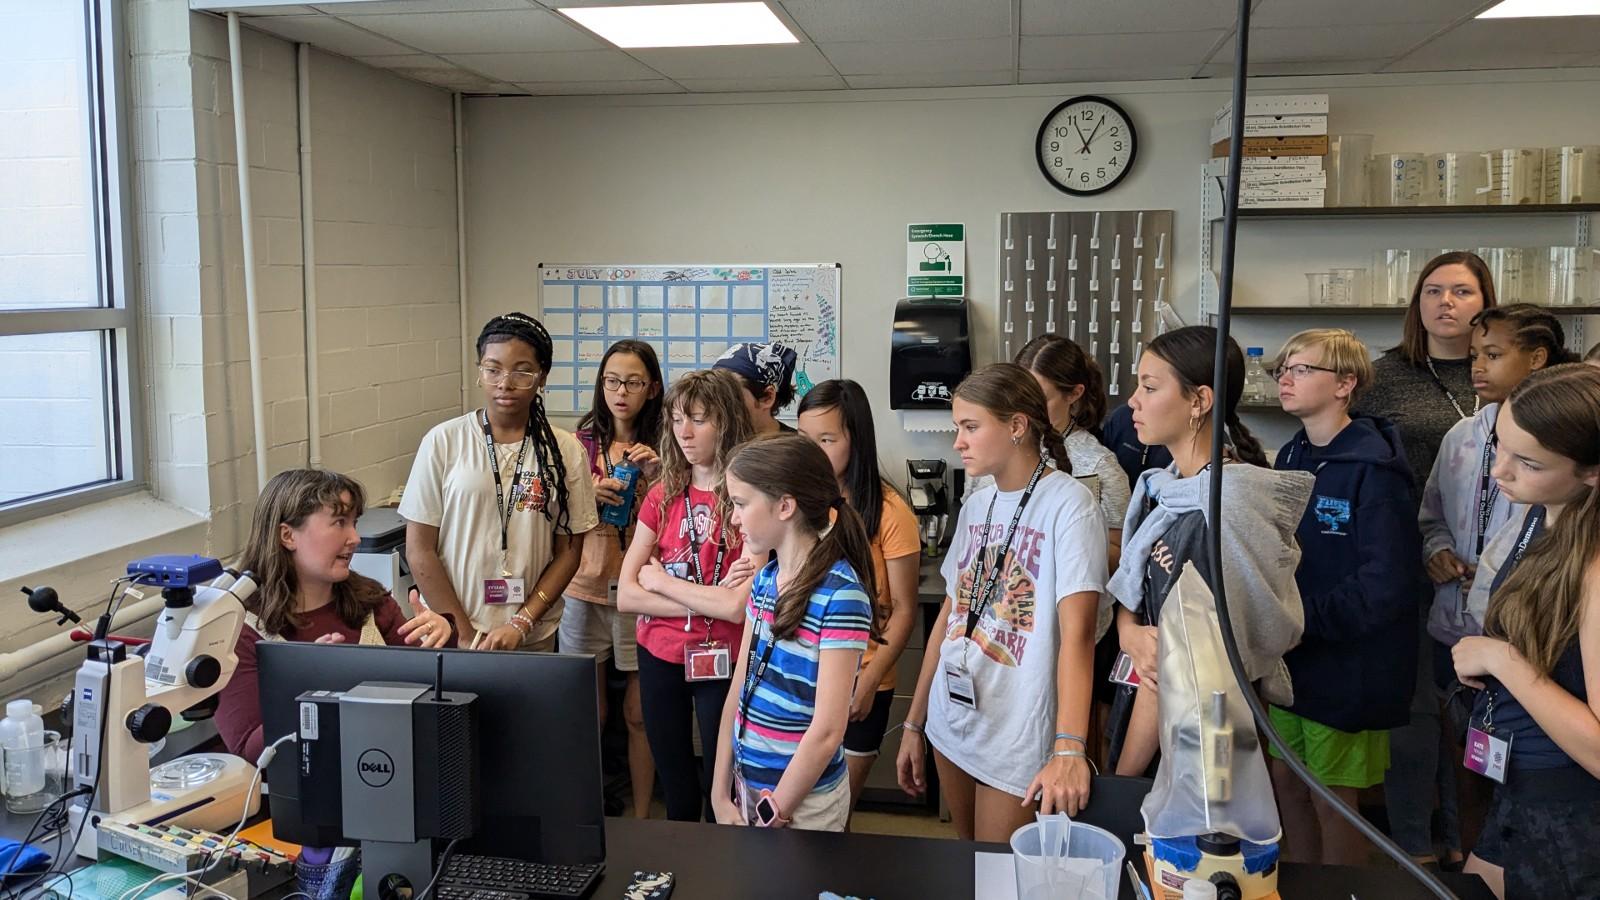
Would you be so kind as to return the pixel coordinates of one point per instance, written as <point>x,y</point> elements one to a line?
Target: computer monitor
<point>539,740</point>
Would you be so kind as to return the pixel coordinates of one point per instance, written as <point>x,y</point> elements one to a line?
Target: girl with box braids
<point>525,328</point>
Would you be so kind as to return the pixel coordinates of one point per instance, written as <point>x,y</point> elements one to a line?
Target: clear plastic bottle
<point>21,729</point>
<point>1255,377</point>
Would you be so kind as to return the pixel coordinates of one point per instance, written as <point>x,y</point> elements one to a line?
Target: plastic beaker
<point>20,764</point>
<point>1056,857</point>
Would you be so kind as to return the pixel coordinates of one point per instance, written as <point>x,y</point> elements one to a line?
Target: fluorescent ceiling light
<point>683,24</point>
<point>1539,9</point>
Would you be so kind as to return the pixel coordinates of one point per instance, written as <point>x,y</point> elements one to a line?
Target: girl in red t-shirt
<point>684,575</point>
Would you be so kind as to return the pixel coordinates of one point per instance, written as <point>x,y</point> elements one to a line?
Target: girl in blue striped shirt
<point>780,760</point>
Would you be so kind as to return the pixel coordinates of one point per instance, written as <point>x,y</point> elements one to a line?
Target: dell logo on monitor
<point>375,768</point>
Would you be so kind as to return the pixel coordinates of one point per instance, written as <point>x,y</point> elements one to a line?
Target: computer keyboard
<point>496,878</point>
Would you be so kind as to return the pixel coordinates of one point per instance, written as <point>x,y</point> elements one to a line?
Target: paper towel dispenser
<point>930,352</point>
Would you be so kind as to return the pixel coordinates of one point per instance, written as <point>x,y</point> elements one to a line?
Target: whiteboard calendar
<point>690,314</point>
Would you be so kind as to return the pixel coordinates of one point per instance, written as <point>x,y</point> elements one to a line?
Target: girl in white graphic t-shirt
<point>1005,699</point>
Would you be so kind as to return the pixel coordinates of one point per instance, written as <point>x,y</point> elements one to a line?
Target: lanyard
<point>1451,396</point>
<point>501,507</point>
<point>1488,490</point>
<point>982,593</point>
<point>1535,522</point>
<point>694,548</point>
<point>755,670</point>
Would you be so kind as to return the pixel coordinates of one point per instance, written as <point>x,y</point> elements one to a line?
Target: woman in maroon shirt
<point>301,541</point>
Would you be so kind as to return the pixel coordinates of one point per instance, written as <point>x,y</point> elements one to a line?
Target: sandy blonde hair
<point>1340,351</point>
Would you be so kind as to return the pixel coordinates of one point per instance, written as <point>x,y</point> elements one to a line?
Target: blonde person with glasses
<point>499,499</point>
<point>623,423</point>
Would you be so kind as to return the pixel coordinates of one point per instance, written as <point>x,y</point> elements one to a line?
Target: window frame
<point>115,319</point>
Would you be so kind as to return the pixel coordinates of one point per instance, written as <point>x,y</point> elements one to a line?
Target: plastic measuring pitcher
<point>1056,858</point>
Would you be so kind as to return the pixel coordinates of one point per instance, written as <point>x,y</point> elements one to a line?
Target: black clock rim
<point>1038,143</point>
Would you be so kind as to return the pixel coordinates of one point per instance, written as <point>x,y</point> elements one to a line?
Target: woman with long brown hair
<point>1424,386</point>
<point>1535,725</point>
<point>301,539</point>
<point>1005,697</point>
<point>685,576</point>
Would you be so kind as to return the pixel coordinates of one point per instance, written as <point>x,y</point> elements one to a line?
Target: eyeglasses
<point>521,381</point>
<point>1299,371</point>
<point>614,384</point>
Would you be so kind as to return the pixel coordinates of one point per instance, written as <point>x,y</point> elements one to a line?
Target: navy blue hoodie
<point>1360,577</point>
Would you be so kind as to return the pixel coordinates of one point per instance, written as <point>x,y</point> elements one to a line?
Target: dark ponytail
<point>793,466</point>
<point>1006,390</point>
<point>1063,363</point>
<point>1190,352</point>
<point>546,450</point>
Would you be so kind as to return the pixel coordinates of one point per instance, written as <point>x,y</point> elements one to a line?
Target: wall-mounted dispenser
<point>930,352</point>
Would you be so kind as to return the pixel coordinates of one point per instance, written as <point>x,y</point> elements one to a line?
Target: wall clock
<point>1086,145</point>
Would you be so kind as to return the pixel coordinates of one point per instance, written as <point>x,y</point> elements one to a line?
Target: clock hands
<point>1092,134</point>
<point>1080,135</point>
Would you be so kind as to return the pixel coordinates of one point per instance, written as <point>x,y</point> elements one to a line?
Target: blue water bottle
<point>621,514</point>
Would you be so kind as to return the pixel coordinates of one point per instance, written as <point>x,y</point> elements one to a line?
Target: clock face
<point>1086,145</point>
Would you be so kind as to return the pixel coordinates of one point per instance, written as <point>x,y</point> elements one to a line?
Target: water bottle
<point>22,729</point>
<point>620,514</point>
<point>1255,376</point>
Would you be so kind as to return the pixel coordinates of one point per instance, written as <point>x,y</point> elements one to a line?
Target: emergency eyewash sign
<point>936,260</point>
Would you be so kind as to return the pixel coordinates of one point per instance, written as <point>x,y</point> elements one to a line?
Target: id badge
<point>503,590</point>
<point>741,796</point>
<point>1487,755</point>
<point>1122,671</point>
<point>959,683</point>
<point>707,661</point>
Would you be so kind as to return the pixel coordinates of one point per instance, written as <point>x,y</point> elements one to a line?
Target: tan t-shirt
<point>452,488</point>
<point>897,539</point>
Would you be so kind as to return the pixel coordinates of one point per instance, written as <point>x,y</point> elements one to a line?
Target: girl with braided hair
<point>499,499</point>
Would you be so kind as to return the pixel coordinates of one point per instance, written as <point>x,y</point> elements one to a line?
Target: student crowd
<point>1417,571</point>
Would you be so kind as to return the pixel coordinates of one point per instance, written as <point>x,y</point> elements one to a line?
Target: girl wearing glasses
<point>623,423</point>
<point>498,499</point>
<point>1360,569</point>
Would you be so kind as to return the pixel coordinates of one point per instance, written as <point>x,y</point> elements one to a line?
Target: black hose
<point>1219,417</point>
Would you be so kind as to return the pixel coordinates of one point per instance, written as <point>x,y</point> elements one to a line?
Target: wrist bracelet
<point>522,616</point>
<point>1069,753</point>
<point>543,597</point>
<point>912,727</point>
<point>1063,736</point>
<point>521,627</point>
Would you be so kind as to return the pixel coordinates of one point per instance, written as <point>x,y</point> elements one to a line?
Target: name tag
<point>708,661</point>
<point>1487,755</point>
<point>503,590</point>
<point>1123,672</point>
<point>959,682</point>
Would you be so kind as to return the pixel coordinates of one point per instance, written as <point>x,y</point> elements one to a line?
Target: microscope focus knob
<point>203,671</point>
<point>149,723</point>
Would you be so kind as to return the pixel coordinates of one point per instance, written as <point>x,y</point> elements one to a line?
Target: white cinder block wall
<point>385,205</point>
<point>384,201</point>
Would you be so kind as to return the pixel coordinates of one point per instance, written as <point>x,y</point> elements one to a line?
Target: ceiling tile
<point>900,20</point>
<point>765,61</point>
<point>343,8</point>
<point>1304,13</point>
<point>1507,44</point>
<point>578,65</point>
<point>329,34</point>
<point>505,31</point>
<point>1110,73</point>
<point>1321,43</point>
<point>453,79</point>
<point>1115,51</point>
<point>1224,69</point>
<point>406,61</point>
<point>251,10</point>
<point>899,57</point>
<point>556,88</point>
<point>929,79</point>
<point>1070,17</point>
<point>726,85</point>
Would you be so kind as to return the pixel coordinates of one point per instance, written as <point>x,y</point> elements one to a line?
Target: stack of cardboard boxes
<point>1285,146</point>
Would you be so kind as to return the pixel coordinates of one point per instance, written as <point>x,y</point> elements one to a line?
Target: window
<point>65,324</point>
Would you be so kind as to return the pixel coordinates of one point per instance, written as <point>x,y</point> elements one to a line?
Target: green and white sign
<point>936,260</point>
